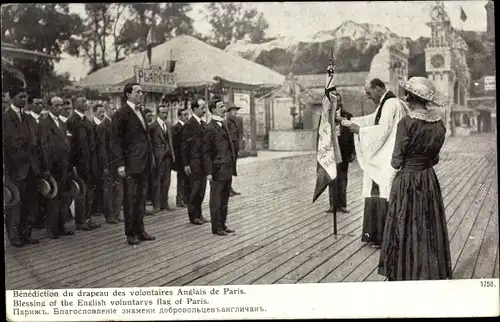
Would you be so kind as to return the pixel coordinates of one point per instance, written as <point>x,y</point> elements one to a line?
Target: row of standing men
<point>107,158</point>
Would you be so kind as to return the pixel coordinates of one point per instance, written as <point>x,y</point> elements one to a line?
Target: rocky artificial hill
<point>354,45</point>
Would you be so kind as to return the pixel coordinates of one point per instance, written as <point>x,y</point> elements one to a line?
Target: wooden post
<point>253,125</point>
<point>267,115</point>
<point>230,94</point>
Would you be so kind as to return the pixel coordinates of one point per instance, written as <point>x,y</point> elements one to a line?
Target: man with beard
<point>18,166</point>
<point>133,157</point>
<point>83,160</point>
<point>55,157</point>
<point>374,139</point>
<point>220,165</point>
<point>192,161</point>
<point>112,185</point>
<point>163,150</point>
<point>182,196</point>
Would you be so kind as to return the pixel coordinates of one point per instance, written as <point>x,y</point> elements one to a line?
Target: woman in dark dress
<point>416,244</point>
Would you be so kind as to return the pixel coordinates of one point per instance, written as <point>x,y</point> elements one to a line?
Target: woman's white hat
<point>421,87</point>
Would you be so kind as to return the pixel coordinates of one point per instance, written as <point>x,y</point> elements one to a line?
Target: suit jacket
<point>130,142</point>
<point>83,147</point>
<point>17,146</point>
<point>55,148</point>
<point>218,152</point>
<point>177,131</point>
<point>35,141</point>
<point>163,145</point>
<point>346,139</point>
<point>192,146</point>
<point>104,153</point>
<point>235,131</point>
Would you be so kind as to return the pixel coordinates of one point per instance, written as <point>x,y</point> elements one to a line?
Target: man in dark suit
<point>182,196</point>
<point>55,158</point>
<point>35,202</point>
<point>133,157</point>
<point>18,150</point>
<point>338,188</point>
<point>220,165</point>
<point>192,161</point>
<point>235,127</point>
<point>98,204</point>
<point>112,189</point>
<point>163,150</point>
<point>83,160</point>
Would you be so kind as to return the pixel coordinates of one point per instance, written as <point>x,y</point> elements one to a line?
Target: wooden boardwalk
<point>281,237</point>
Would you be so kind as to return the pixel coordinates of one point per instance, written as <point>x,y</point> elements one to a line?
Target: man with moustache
<point>182,196</point>
<point>220,165</point>
<point>338,188</point>
<point>192,161</point>
<point>18,166</point>
<point>234,125</point>
<point>112,186</point>
<point>163,150</point>
<point>133,157</point>
<point>55,157</point>
<point>67,110</point>
<point>83,160</point>
<point>67,198</point>
<point>35,202</point>
<point>374,139</point>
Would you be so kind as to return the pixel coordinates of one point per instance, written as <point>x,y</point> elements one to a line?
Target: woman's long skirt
<point>416,244</point>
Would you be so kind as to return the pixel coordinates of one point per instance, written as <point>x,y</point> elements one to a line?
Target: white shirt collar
<point>79,113</point>
<point>15,108</point>
<point>217,118</point>
<point>36,116</point>
<point>160,121</point>
<point>54,118</point>
<point>62,118</point>
<point>97,121</point>
<point>106,116</point>
<point>181,122</point>
<point>197,118</point>
<point>132,105</point>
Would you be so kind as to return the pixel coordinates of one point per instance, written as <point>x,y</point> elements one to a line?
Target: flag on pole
<point>328,150</point>
<point>463,16</point>
<point>149,44</point>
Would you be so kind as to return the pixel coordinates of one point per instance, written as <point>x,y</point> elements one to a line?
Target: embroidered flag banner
<point>328,150</point>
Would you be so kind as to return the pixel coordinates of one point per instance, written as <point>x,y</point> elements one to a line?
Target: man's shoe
<point>133,240</point>
<point>229,231</point>
<point>220,233</point>
<point>29,240</point>
<point>203,219</point>
<point>67,233</point>
<point>197,221</point>
<point>94,226</point>
<point>17,243</point>
<point>146,236</point>
<point>344,210</point>
<point>331,210</point>
<point>85,227</point>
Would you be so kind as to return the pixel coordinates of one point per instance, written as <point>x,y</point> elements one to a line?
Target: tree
<point>167,20</point>
<point>47,28</point>
<point>231,22</point>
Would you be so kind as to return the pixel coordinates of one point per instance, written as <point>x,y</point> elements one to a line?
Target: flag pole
<point>331,72</point>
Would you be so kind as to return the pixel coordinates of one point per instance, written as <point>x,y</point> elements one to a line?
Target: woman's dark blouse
<point>418,143</point>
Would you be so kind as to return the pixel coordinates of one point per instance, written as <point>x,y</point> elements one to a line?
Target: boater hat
<point>48,188</point>
<point>231,106</point>
<point>421,87</point>
<point>77,188</point>
<point>10,193</point>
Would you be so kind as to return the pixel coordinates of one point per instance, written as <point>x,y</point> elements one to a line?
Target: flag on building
<point>328,150</point>
<point>149,44</point>
<point>463,16</point>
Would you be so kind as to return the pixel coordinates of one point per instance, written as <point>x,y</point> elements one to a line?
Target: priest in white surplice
<point>374,139</point>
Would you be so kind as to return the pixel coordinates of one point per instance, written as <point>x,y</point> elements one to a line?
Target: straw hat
<point>48,188</point>
<point>231,106</point>
<point>421,87</point>
<point>77,188</point>
<point>10,193</point>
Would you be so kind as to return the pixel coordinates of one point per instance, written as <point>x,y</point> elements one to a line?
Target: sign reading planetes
<point>155,77</point>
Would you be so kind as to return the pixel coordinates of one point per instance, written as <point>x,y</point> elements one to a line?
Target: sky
<point>405,18</point>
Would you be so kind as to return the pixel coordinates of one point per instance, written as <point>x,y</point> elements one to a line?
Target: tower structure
<point>446,67</point>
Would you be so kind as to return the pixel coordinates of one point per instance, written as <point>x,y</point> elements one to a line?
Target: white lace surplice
<point>375,144</point>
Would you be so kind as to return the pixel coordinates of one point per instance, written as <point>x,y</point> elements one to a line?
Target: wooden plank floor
<point>281,237</point>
